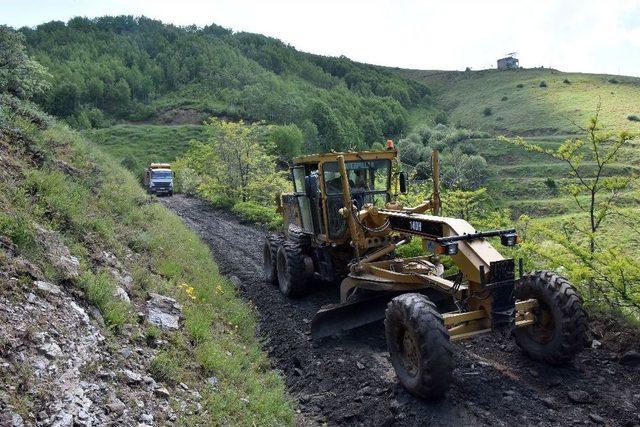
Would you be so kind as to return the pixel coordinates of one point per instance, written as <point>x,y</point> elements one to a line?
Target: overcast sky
<point>571,35</point>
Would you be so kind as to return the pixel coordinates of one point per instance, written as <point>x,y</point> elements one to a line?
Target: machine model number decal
<point>420,227</point>
<point>415,225</point>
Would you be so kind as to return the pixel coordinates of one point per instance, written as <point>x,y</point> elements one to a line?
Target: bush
<point>566,81</point>
<point>441,118</point>
<point>504,98</point>
<point>254,212</point>
<point>164,368</point>
<point>487,111</point>
<point>551,185</point>
<point>633,118</point>
<point>519,85</point>
<point>187,181</point>
<point>543,84</point>
<point>614,81</point>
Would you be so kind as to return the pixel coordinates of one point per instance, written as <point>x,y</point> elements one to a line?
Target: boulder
<point>163,312</point>
<point>121,294</point>
<point>47,287</point>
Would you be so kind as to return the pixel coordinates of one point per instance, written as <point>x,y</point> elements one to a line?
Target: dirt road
<point>349,381</point>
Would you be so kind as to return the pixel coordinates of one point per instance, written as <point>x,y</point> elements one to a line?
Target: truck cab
<point>158,179</point>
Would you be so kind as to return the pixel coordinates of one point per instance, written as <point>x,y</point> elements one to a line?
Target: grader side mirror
<point>403,182</point>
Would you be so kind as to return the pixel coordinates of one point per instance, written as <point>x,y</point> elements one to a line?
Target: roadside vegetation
<point>53,178</point>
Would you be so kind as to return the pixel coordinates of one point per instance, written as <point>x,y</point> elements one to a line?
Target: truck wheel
<point>269,258</point>
<point>561,323</point>
<point>292,278</point>
<point>419,345</point>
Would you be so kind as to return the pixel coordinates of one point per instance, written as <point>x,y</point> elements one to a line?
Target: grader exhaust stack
<point>341,223</point>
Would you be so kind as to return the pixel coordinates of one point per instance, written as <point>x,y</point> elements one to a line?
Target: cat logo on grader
<point>343,222</point>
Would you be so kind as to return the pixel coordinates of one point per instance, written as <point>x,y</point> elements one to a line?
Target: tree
<point>234,165</point>
<point>19,75</point>
<point>602,192</point>
<point>288,140</point>
<point>463,171</point>
<point>610,274</point>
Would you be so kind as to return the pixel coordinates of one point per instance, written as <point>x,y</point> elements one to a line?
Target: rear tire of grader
<point>419,345</point>
<point>269,258</point>
<point>561,323</point>
<point>292,277</point>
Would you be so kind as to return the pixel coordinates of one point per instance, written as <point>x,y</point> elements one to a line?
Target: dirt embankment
<point>350,380</point>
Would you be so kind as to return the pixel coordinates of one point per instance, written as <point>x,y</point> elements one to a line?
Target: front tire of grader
<point>292,278</point>
<point>269,258</point>
<point>561,322</point>
<point>419,345</point>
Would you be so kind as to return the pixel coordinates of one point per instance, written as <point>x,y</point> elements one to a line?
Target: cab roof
<point>348,156</point>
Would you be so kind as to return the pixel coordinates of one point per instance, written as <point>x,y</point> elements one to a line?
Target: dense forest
<point>132,69</point>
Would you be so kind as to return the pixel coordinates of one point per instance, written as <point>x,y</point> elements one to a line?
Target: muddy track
<point>350,381</point>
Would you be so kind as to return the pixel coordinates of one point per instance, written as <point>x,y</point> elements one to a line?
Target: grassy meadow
<point>140,144</point>
<point>519,103</point>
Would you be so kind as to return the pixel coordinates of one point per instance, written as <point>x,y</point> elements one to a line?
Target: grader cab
<point>343,222</point>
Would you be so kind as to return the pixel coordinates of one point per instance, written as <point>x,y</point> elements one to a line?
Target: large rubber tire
<point>419,345</point>
<point>269,258</point>
<point>292,278</point>
<point>561,322</point>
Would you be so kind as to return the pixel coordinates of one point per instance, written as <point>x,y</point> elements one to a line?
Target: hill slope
<point>518,104</point>
<point>137,69</point>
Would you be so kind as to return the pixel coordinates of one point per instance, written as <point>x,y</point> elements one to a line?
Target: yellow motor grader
<point>343,222</point>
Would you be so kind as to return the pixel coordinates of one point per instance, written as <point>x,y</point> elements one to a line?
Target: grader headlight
<point>447,249</point>
<point>509,239</point>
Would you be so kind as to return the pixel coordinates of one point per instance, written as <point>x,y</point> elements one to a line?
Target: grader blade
<point>338,318</point>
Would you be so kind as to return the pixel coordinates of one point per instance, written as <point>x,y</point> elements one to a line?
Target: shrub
<point>633,118</point>
<point>187,181</point>
<point>566,81</point>
<point>551,185</point>
<point>543,84</point>
<point>487,111</point>
<point>519,85</point>
<point>441,118</point>
<point>468,148</point>
<point>614,81</point>
<point>504,98</point>
<point>254,212</point>
<point>164,367</point>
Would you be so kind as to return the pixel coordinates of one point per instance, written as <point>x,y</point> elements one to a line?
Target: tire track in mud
<point>349,380</point>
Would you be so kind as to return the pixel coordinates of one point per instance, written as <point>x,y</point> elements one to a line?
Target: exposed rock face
<point>54,353</point>
<point>163,311</point>
<point>58,253</point>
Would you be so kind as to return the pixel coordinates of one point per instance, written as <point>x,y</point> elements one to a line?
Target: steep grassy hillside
<point>138,145</point>
<point>124,247</point>
<point>517,102</point>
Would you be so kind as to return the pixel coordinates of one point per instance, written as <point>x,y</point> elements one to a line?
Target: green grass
<point>139,145</point>
<point>532,109</point>
<point>103,208</point>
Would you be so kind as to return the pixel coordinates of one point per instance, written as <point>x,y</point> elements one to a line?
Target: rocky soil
<point>60,365</point>
<point>349,380</point>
